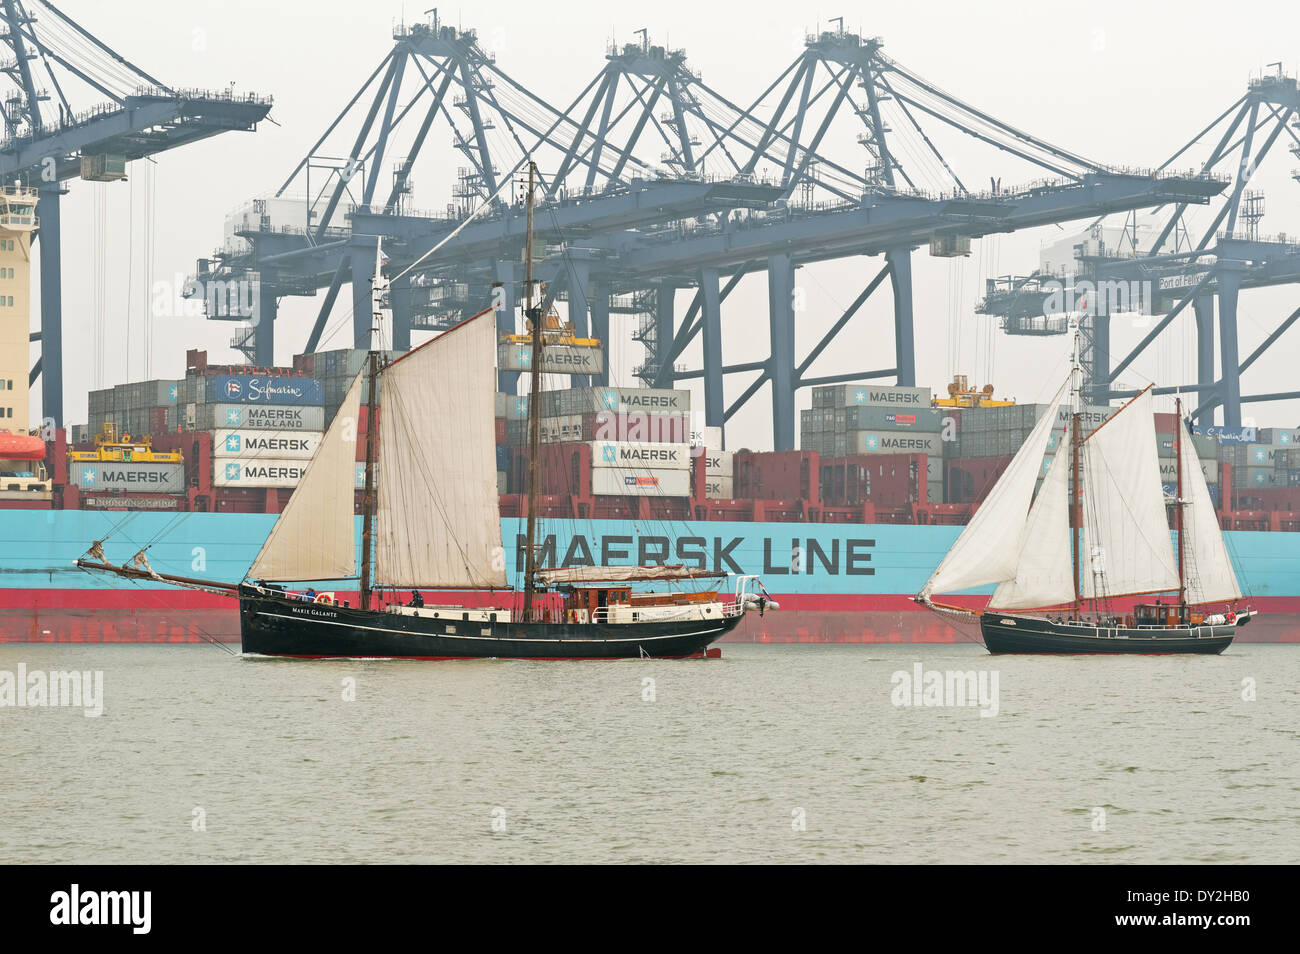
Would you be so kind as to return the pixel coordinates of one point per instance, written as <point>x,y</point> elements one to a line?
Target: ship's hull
<point>285,627</point>
<point>861,592</point>
<point>1013,633</point>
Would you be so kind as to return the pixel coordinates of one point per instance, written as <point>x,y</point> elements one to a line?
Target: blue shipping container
<point>230,389</point>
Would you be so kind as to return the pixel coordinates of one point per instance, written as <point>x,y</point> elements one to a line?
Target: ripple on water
<point>779,754</point>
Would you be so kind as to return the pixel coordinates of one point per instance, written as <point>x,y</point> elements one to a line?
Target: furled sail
<point>315,537</point>
<point>988,550</point>
<point>438,522</point>
<point>1206,568</point>
<point>1125,546</point>
<point>1045,576</point>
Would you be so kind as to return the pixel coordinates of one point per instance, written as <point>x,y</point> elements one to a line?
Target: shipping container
<point>632,455</point>
<point>708,437</point>
<point>867,417</point>
<point>1279,436</point>
<point>259,472</point>
<point>895,442</point>
<point>214,417</point>
<point>883,395</point>
<point>622,400</point>
<point>719,488</point>
<point>237,389</point>
<point>105,476</point>
<point>556,358</point>
<point>776,475</point>
<point>641,482</point>
<point>886,480</point>
<point>719,463</point>
<point>1169,470</point>
<point>284,444</point>
<point>1227,435</point>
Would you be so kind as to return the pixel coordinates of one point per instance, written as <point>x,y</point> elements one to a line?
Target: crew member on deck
<point>416,599</point>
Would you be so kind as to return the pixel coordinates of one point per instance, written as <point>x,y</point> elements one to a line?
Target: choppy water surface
<point>771,754</point>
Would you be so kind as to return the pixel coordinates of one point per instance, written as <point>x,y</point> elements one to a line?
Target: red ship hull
<point>185,616</point>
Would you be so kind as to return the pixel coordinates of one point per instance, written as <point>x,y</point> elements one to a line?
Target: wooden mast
<point>1076,514</point>
<point>534,406</point>
<point>372,446</point>
<point>368,496</point>
<point>1076,497</point>
<point>1178,455</point>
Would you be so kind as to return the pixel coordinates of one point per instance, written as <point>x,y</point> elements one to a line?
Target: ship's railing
<point>626,613</point>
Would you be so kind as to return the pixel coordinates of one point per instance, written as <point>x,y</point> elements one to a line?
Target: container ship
<point>843,531</point>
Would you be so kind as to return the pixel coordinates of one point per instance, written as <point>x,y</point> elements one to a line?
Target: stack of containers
<point>1272,460</point>
<point>1207,453</point>
<point>718,464</point>
<point>639,438</point>
<point>139,408</point>
<point>266,423</point>
<point>851,420</point>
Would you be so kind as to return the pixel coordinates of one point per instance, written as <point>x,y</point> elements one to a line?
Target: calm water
<point>723,765</point>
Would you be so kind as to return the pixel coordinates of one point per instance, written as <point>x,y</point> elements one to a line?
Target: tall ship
<point>1097,531</point>
<point>431,521</point>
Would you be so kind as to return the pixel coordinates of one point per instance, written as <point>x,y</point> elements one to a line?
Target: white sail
<point>315,537</point>
<point>1125,546</point>
<point>438,522</point>
<point>1045,575</point>
<point>988,549</point>
<point>1206,568</point>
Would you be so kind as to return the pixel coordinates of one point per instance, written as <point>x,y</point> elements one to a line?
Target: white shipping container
<point>897,442</point>
<point>258,472</point>
<point>710,437</point>
<point>719,488</point>
<point>614,481</point>
<point>286,445</point>
<point>629,455</point>
<point>880,395</point>
<point>284,417</point>
<point>718,463</point>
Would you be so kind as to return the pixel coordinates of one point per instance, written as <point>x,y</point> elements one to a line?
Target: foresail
<point>988,549</point>
<point>1045,575</point>
<point>1125,546</point>
<point>1207,569</point>
<point>315,537</point>
<point>438,521</point>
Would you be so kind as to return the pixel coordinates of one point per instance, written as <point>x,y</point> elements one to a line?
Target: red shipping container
<point>777,475</point>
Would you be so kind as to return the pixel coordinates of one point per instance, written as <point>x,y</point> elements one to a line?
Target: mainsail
<point>1206,568</point>
<point>988,550</point>
<point>315,537</point>
<point>1045,575</point>
<point>1125,546</point>
<point>438,520</point>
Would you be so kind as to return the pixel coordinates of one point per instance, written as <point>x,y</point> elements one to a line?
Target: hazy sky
<point>1124,83</point>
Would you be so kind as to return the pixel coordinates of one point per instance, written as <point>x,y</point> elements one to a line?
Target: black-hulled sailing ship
<point>431,522</point>
<point>1096,533</point>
